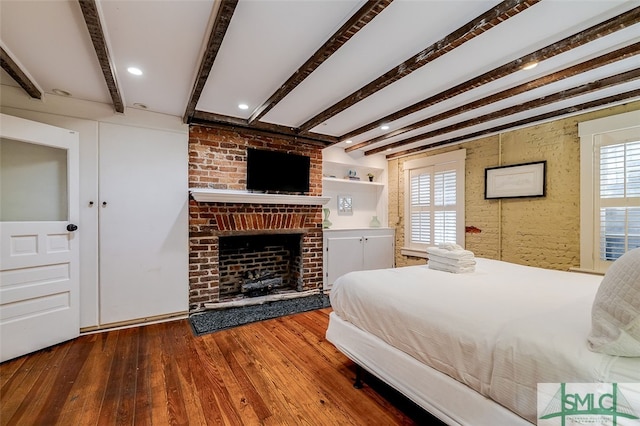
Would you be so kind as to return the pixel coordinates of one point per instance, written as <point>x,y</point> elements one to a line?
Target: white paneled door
<point>39,250</point>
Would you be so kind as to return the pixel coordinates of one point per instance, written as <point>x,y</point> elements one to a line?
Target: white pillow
<point>615,315</point>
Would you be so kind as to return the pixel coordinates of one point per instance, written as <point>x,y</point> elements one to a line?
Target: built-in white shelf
<point>350,181</point>
<point>209,195</point>
<point>334,171</point>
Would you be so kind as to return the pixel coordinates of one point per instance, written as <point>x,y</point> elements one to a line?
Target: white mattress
<point>489,330</point>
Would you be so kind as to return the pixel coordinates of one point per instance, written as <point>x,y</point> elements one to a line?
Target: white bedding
<point>499,330</point>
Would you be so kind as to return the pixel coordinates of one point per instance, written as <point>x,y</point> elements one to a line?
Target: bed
<point>471,348</point>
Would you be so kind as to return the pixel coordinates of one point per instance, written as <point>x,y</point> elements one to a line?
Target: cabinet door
<point>378,252</point>
<point>344,254</point>
<point>143,223</point>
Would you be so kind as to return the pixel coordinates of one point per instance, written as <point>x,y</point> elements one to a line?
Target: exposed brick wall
<point>542,232</point>
<point>217,159</point>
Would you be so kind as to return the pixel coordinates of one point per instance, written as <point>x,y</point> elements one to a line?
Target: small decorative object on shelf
<point>370,176</point>
<point>326,223</point>
<point>375,223</point>
<point>352,175</point>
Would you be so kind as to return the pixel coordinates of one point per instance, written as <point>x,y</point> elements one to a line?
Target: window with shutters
<point>434,203</point>
<point>618,201</point>
<point>610,185</point>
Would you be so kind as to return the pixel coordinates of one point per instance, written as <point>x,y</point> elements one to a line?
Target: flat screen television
<point>277,171</point>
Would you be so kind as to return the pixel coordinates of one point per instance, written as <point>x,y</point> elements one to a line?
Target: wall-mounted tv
<point>277,171</point>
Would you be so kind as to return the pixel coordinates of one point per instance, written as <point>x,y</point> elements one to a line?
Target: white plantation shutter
<point>436,202</point>
<point>445,227</point>
<point>618,200</point>
<point>421,206</point>
<point>445,215</point>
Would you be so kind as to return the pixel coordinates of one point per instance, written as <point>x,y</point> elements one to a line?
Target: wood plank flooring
<point>275,372</point>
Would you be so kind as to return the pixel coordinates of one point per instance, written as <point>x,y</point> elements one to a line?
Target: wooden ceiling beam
<point>20,77</point>
<point>583,89</point>
<point>602,29</point>
<point>268,129</point>
<point>92,21</point>
<point>609,100</point>
<point>362,17</point>
<point>221,24</point>
<point>606,59</point>
<point>503,11</point>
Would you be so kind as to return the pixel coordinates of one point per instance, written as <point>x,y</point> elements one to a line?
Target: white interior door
<point>39,250</point>
<point>143,204</point>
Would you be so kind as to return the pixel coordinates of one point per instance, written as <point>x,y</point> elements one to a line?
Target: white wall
<point>337,154</point>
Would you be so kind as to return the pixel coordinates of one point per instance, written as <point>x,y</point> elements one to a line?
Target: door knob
<point>71,227</point>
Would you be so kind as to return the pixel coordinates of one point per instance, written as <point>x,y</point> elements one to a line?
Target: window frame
<point>591,134</point>
<point>457,161</point>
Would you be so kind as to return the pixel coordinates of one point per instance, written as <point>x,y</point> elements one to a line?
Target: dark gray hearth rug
<point>220,319</point>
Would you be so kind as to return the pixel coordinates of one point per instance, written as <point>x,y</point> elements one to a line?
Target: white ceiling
<point>268,40</point>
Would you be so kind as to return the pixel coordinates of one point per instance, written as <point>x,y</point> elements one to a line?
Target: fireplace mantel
<point>209,195</point>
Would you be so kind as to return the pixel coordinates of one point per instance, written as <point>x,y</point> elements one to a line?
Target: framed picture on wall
<point>345,205</point>
<point>516,181</point>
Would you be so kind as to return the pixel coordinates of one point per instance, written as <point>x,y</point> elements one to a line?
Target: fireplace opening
<point>257,265</point>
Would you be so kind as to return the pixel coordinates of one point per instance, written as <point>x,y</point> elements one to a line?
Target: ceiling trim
<point>607,101</point>
<point>583,89</point>
<point>608,58</point>
<point>602,29</point>
<point>220,26</point>
<point>92,21</point>
<point>362,17</point>
<point>273,130</point>
<point>493,17</point>
<point>15,71</point>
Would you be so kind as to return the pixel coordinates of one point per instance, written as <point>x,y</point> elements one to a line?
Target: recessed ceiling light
<point>530,65</point>
<point>243,106</point>
<point>388,149</point>
<point>384,127</point>
<point>61,92</point>
<point>134,70</point>
<point>349,141</point>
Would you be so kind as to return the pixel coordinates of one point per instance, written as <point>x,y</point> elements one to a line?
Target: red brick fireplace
<point>217,160</point>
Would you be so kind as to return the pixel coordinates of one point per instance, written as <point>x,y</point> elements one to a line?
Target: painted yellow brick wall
<point>543,232</point>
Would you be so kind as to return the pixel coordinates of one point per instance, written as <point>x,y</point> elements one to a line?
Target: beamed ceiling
<point>388,77</point>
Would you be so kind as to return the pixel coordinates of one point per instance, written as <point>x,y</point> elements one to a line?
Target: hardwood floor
<point>275,372</point>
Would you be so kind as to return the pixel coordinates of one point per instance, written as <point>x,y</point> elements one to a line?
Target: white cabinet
<point>347,250</point>
<point>143,223</point>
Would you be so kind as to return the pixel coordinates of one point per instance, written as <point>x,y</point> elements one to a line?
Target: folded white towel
<point>450,246</point>
<point>451,254</point>
<point>453,262</point>
<point>451,268</point>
